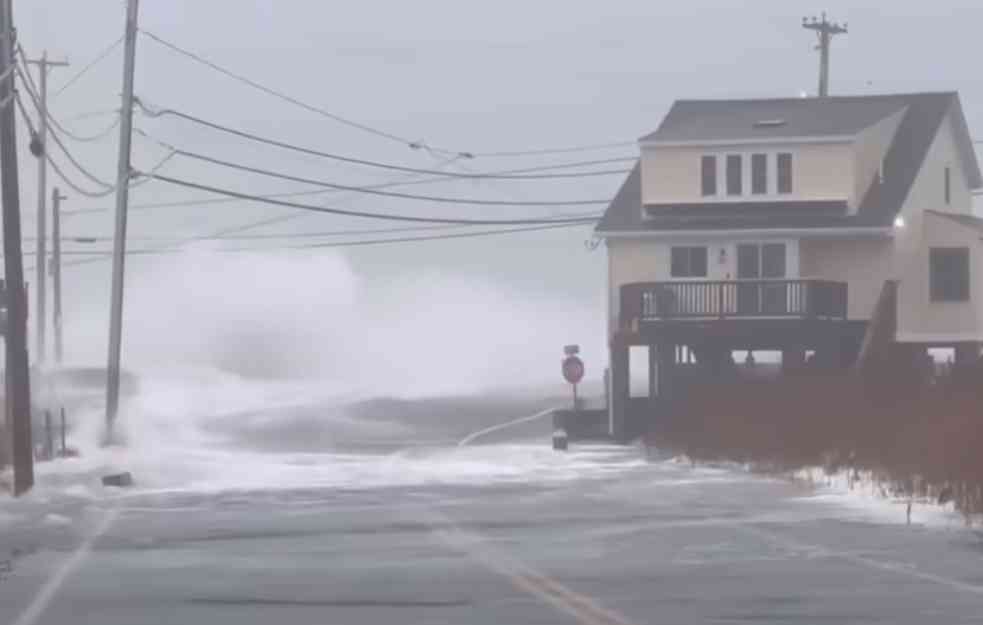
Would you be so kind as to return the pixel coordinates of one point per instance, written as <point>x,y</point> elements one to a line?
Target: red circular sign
<point>573,369</point>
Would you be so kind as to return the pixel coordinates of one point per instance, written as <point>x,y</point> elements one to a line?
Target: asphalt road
<point>598,536</point>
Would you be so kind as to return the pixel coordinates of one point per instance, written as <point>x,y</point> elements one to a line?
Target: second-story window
<point>784,172</point>
<point>708,175</point>
<point>759,174</point>
<point>948,186</point>
<point>734,174</point>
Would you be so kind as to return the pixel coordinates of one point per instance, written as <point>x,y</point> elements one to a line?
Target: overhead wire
<point>239,228</point>
<point>346,212</point>
<point>443,237</point>
<point>269,236</point>
<point>162,112</point>
<point>356,243</point>
<point>61,173</point>
<point>566,150</point>
<point>33,91</point>
<point>282,96</point>
<point>100,238</point>
<point>25,79</point>
<point>74,136</point>
<point>88,66</point>
<point>396,194</point>
<point>413,144</point>
<point>54,165</point>
<point>437,178</point>
<point>92,114</point>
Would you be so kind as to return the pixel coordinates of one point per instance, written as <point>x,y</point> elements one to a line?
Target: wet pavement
<point>602,535</point>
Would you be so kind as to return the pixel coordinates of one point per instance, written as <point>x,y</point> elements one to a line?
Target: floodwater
<point>294,503</point>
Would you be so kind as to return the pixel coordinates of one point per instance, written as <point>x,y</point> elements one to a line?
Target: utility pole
<point>825,31</point>
<point>119,236</point>
<point>40,150</point>
<point>56,199</point>
<point>18,376</point>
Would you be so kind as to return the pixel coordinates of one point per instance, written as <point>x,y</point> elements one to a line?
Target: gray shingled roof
<point>728,120</point>
<point>923,113</point>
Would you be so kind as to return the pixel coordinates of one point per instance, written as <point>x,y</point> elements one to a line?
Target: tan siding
<point>919,318</point>
<point>633,260</point>
<point>927,191</point>
<point>863,264</point>
<point>822,171</point>
<point>870,147</point>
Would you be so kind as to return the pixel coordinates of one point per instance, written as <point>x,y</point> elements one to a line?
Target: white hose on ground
<point>501,426</point>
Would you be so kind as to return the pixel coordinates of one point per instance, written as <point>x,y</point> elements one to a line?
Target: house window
<point>948,186</point>
<point>708,175</point>
<point>759,174</point>
<point>689,262</point>
<point>948,276</point>
<point>784,172</point>
<point>734,174</point>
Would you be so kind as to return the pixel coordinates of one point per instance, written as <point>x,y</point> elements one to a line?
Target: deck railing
<point>648,301</point>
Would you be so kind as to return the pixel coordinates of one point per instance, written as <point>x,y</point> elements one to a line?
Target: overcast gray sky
<point>474,76</point>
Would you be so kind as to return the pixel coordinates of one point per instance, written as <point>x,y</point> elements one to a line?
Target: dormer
<point>808,154</point>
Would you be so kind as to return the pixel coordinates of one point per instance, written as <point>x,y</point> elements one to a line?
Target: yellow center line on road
<point>584,609</point>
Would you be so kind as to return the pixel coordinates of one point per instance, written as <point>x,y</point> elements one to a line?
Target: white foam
<point>864,496</point>
<point>58,520</point>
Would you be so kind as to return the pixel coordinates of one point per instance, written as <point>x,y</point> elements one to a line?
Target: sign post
<point>573,370</point>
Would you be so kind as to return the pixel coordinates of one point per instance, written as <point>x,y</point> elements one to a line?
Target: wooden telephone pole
<point>18,383</point>
<point>42,140</point>
<point>825,31</point>
<point>119,235</point>
<point>56,199</point>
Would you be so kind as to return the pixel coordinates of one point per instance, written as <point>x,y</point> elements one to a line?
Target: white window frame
<point>771,168</point>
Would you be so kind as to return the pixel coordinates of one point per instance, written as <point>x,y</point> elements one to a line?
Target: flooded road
<point>503,530</point>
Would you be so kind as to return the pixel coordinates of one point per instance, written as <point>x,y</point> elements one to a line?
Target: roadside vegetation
<point>918,437</point>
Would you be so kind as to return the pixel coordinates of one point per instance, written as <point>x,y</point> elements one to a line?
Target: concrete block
<point>118,479</point>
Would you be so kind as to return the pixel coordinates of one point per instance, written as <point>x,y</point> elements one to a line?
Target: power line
<point>32,89</point>
<point>258,237</point>
<point>357,161</point>
<point>281,218</point>
<point>54,165</point>
<point>441,237</point>
<point>27,81</point>
<point>102,255</point>
<point>392,183</point>
<point>97,136</point>
<point>353,213</point>
<point>271,236</point>
<point>396,194</point>
<point>227,200</point>
<point>269,221</point>
<point>545,151</point>
<point>227,232</point>
<point>416,145</point>
<point>64,177</point>
<point>356,243</point>
<point>92,114</point>
<point>282,96</point>
<point>99,57</point>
